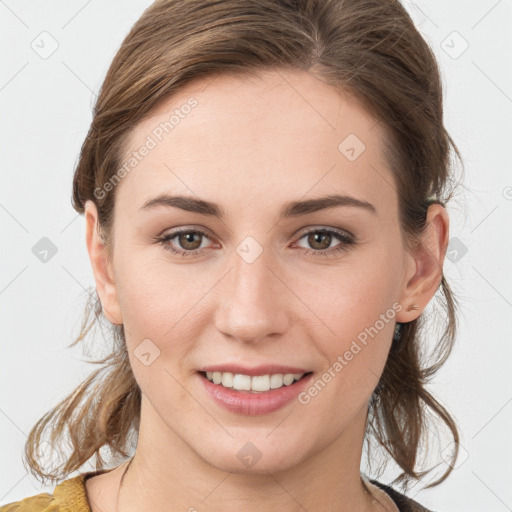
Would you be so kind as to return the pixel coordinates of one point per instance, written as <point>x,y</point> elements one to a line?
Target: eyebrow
<point>290,209</point>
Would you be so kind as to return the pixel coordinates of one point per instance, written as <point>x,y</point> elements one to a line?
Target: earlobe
<point>101,265</point>
<point>427,262</point>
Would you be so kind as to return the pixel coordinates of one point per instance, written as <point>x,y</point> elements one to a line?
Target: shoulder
<point>404,503</point>
<point>68,495</point>
<point>38,503</point>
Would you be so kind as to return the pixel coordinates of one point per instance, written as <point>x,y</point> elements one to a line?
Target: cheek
<point>351,296</point>
<point>155,305</point>
<point>163,310</point>
<point>154,292</point>
<point>354,321</point>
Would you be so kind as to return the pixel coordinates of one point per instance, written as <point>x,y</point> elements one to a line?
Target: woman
<point>264,188</point>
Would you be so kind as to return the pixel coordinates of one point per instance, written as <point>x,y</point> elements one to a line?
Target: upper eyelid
<point>313,229</point>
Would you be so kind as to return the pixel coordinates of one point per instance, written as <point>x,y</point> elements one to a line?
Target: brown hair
<point>369,48</point>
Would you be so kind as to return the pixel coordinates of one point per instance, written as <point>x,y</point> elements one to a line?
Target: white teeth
<point>227,380</point>
<point>276,381</point>
<point>288,379</point>
<point>242,382</point>
<point>259,383</point>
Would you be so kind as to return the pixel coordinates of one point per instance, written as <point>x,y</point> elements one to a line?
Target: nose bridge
<point>251,304</point>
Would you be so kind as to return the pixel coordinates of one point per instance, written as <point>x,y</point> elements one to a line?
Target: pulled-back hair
<point>368,48</point>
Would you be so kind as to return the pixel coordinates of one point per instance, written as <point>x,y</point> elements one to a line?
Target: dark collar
<point>403,503</point>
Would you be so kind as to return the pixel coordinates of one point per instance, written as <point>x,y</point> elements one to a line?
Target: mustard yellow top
<point>68,496</point>
<point>71,496</point>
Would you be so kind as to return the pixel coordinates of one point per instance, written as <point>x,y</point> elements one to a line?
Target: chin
<point>256,457</point>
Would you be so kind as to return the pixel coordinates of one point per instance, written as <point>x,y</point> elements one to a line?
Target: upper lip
<point>264,369</point>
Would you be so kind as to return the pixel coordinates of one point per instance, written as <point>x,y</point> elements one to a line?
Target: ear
<point>101,265</point>
<point>425,264</point>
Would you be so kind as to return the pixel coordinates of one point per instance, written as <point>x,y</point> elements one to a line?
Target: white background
<point>45,114</point>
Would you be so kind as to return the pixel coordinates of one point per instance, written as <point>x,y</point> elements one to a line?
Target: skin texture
<point>251,145</point>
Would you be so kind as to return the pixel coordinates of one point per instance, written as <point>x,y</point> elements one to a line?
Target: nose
<point>252,301</point>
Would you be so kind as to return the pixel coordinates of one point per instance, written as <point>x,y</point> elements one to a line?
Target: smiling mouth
<point>253,384</point>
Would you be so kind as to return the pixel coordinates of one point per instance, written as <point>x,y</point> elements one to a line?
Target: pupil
<point>189,239</point>
<point>318,236</point>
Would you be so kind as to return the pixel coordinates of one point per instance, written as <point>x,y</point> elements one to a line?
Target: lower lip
<point>252,404</point>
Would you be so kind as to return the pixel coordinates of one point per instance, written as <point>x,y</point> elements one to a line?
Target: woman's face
<point>266,285</point>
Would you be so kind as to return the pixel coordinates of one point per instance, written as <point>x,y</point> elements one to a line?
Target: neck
<point>166,471</point>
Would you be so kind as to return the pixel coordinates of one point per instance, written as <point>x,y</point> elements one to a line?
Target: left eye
<point>187,239</point>
<point>190,241</point>
<point>324,237</point>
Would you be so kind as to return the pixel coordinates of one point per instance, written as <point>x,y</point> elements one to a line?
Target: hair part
<point>367,48</point>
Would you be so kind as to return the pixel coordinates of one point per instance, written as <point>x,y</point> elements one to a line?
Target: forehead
<point>277,135</point>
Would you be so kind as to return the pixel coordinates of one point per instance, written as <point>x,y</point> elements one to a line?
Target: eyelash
<point>346,239</point>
